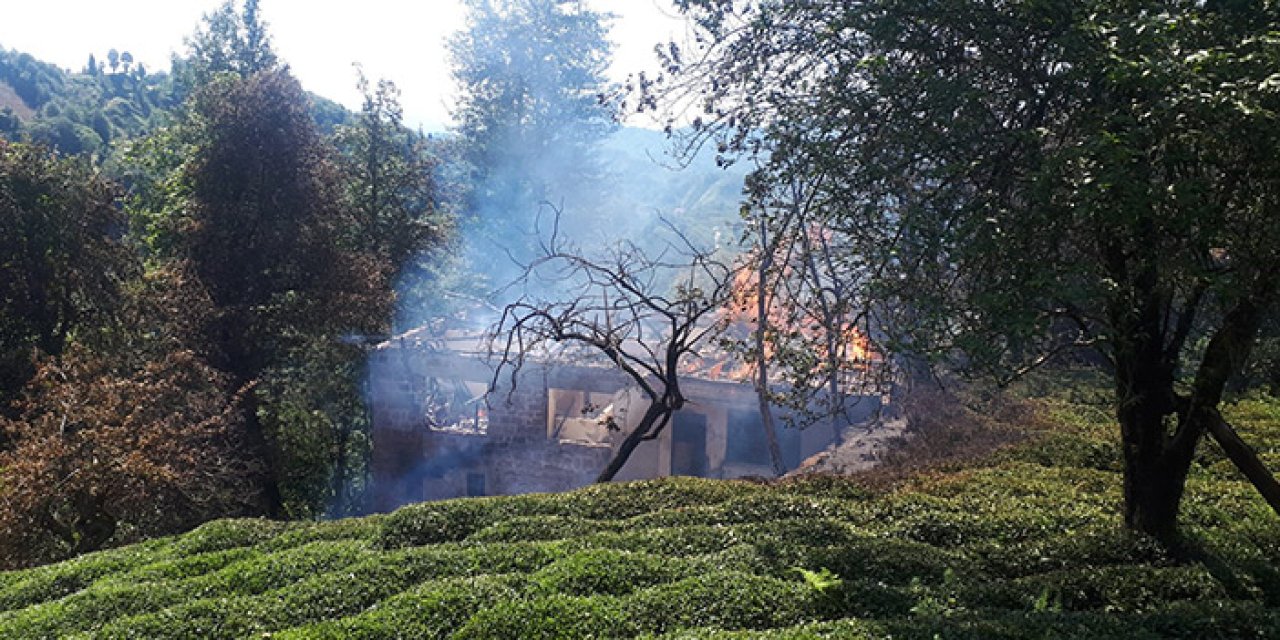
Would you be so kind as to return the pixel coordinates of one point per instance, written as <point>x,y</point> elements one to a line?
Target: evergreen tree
<point>531,113</point>
<point>264,226</point>
<point>229,41</point>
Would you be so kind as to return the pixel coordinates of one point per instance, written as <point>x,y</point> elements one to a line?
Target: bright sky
<point>402,40</point>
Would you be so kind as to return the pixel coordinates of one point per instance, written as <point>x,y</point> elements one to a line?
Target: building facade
<point>437,435</point>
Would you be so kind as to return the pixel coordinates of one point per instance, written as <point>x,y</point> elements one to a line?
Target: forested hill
<point>92,110</point>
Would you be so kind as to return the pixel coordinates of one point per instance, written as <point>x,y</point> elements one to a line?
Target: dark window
<point>475,484</point>
<point>747,443</point>
<point>689,444</point>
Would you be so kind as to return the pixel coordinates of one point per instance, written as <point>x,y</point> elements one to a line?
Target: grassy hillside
<point>1025,544</point>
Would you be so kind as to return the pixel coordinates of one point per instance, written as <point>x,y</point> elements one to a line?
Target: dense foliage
<point>175,350</point>
<point>91,111</point>
<point>1004,183</point>
<point>1028,543</point>
<point>56,216</point>
<point>107,454</point>
<point>530,119</point>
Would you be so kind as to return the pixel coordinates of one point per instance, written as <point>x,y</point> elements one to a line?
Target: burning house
<point>437,434</point>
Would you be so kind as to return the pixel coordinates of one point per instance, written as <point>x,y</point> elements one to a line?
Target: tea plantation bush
<point>1026,543</point>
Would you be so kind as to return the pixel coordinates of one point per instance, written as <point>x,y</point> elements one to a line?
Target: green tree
<point>264,224</point>
<point>257,211</point>
<point>228,41</point>
<point>530,112</point>
<point>391,188</point>
<point>390,180</point>
<point>63,262</point>
<point>1029,178</point>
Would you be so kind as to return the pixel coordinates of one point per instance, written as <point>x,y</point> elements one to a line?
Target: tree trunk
<point>260,448</point>
<point>339,507</point>
<point>762,371</point>
<point>1246,460</point>
<point>770,429</point>
<point>1153,486</point>
<point>655,418</point>
<point>1156,456</point>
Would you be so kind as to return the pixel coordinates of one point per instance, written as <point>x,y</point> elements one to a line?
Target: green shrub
<point>431,610</point>
<point>827,486</point>
<point>258,574</point>
<point>226,617</point>
<point>432,522</point>
<point>88,610</point>
<point>1131,588</point>
<point>553,617</point>
<point>1213,619</point>
<point>51,582</point>
<point>885,560</point>
<point>541,527</point>
<point>844,630</point>
<point>228,534</point>
<point>808,532</point>
<point>366,528</point>
<point>683,517</point>
<point>1102,544</point>
<point>1070,450</point>
<point>673,541</point>
<point>458,561</point>
<point>610,572</point>
<point>184,567</point>
<point>620,500</point>
<point>727,600</point>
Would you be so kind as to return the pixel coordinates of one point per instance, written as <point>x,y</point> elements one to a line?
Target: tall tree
<point>264,224</point>
<point>229,41</point>
<point>390,179</point>
<point>63,263</point>
<point>1028,178</point>
<point>257,212</point>
<point>530,112</point>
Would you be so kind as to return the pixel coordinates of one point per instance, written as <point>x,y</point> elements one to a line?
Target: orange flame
<point>740,317</point>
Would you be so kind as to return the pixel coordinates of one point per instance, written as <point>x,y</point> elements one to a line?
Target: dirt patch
<point>10,98</point>
<point>928,431</point>
<point>862,448</point>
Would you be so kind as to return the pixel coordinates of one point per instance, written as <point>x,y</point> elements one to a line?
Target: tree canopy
<point>1014,180</point>
<point>530,113</point>
<point>63,262</point>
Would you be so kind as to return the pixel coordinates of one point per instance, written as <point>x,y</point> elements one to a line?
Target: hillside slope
<point>1025,544</point>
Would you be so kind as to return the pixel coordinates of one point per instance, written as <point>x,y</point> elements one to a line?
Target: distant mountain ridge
<point>95,110</point>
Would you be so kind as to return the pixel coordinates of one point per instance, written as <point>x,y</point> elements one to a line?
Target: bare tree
<point>813,323</point>
<point>645,315</point>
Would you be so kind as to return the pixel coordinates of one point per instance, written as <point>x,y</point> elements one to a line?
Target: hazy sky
<point>402,40</point>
